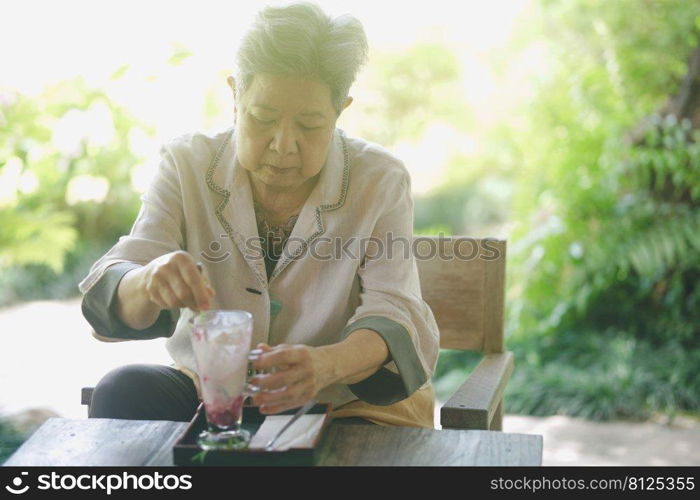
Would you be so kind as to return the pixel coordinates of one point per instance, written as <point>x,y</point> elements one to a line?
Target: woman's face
<point>284,126</point>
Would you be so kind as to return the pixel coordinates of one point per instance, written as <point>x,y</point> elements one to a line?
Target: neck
<point>281,200</point>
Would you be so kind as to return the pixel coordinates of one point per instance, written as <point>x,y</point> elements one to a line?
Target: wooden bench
<point>464,285</point>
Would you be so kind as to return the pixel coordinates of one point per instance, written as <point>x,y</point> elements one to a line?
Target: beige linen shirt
<point>332,278</point>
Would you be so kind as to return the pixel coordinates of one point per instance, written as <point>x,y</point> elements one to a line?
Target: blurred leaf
<point>179,55</point>
<point>120,72</point>
<point>35,238</point>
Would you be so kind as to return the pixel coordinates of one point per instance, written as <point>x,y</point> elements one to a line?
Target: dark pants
<point>145,392</point>
<point>153,392</point>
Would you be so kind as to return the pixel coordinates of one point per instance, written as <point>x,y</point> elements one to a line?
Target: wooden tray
<point>187,452</point>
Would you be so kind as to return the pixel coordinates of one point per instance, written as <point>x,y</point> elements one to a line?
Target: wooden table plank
<point>112,442</point>
<point>99,442</point>
<point>372,446</point>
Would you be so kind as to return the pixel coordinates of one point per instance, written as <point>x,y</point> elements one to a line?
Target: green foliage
<point>451,371</point>
<point>200,457</point>
<point>641,236</point>
<point>602,375</point>
<point>65,170</point>
<point>10,440</point>
<point>463,209</point>
<point>27,235</point>
<point>611,242</point>
<point>603,297</point>
<point>37,281</point>
<point>414,88</point>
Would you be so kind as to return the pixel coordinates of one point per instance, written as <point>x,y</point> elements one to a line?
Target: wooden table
<point>108,442</point>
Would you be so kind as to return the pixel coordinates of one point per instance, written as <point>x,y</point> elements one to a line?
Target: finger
<point>293,396</point>
<point>155,297</point>
<point>191,276</point>
<point>161,286</point>
<point>280,357</point>
<point>172,276</point>
<point>277,380</point>
<point>296,400</point>
<point>157,294</point>
<point>180,289</point>
<point>259,349</point>
<point>167,297</point>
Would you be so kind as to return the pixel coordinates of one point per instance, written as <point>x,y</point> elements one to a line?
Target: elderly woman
<point>293,222</point>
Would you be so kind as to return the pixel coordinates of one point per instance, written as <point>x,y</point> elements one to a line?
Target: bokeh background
<point>569,127</point>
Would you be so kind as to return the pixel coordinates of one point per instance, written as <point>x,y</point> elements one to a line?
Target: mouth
<point>278,170</point>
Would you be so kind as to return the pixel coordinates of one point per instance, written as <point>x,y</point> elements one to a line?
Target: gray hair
<point>300,39</point>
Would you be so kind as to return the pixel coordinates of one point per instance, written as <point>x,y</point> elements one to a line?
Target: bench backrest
<point>463,282</point>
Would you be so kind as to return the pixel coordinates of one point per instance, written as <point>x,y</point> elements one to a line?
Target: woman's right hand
<point>172,281</point>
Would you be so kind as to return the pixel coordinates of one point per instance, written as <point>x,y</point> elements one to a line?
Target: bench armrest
<point>475,403</point>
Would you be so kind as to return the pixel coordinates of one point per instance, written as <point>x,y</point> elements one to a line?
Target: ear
<point>346,103</point>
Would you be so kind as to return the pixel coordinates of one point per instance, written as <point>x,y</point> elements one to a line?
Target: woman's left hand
<point>295,375</point>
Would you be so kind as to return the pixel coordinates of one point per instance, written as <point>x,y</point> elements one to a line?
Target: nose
<point>284,140</point>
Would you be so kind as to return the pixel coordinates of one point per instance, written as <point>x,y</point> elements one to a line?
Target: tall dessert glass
<point>221,342</point>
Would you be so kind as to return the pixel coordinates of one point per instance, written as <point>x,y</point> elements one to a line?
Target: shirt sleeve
<point>391,304</point>
<point>98,308</point>
<point>158,230</point>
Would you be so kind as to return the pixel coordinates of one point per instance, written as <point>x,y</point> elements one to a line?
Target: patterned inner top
<point>273,237</point>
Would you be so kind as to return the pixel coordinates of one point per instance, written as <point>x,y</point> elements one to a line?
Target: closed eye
<point>263,122</point>
<point>267,123</point>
